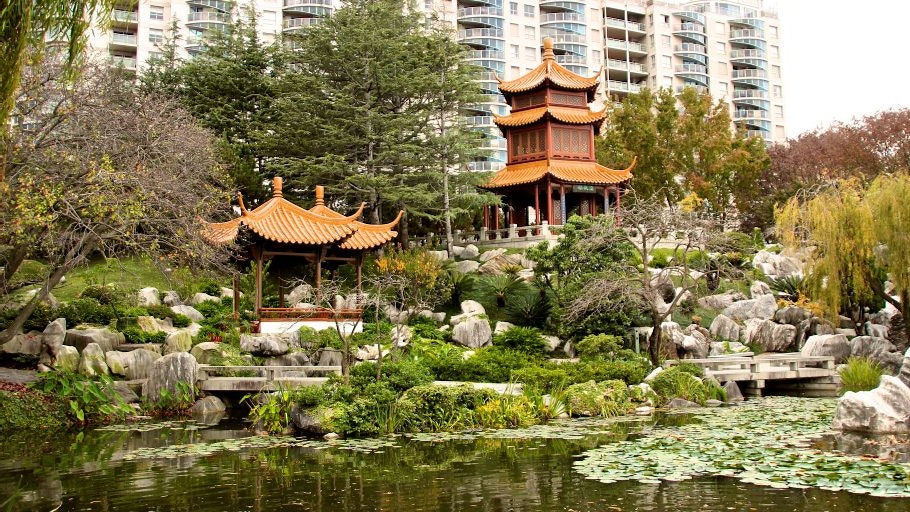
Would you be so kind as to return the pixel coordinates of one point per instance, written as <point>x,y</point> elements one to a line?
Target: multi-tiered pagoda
<point>551,171</point>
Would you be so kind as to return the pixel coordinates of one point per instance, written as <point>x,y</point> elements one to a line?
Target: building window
<point>156,12</point>
<point>775,51</point>
<point>722,88</point>
<point>513,8</point>
<point>514,51</point>
<point>653,61</point>
<point>775,71</point>
<point>720,28</point>
<point>665,41</point>
<point>530,32</point>
<point>595,55</point>
<point>778,91</point>
<point>778,111</point>
<point>516,72</point>
<point>666,62</point>
<point>156,35</point>
<point>773,31</point>
<point>666,20</point>
<point>267,22</point>
<point>721,47</point>
<point>668,82</point>
<point>529,11</point>
<point>531,53</point>
<point>513,29</point>
<point>722,68</point>
<point>779,133</point>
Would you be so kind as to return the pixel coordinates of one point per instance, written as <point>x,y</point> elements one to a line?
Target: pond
<point>768,455</point>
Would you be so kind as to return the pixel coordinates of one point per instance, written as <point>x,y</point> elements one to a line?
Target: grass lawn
<point>130,274</point>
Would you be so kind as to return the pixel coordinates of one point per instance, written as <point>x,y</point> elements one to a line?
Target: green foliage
<point>549,377</point>
<point>440,408</point>
<point>860,374</point>
<point>159,311</point>
<point>493,290</point>
<point>530,307</point>
<point>494,364</point>
<point>105,295</point>
<point>172,404</point>
<point>89,401</point>
<point>181,320</point>
<point>790,287</point>
<point>31,410</point>
<point>399,376</point>
<point>607,398</point>
<point>426,329</point>
<point>462,285</point>
<point>522,339</point>
<point>680,382</point>
<point>506,411</point>
<point>600,346</point>
<point>271,411</point>
<point>134,334</point>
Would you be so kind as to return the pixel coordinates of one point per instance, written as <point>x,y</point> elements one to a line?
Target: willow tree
<point>857,240</point>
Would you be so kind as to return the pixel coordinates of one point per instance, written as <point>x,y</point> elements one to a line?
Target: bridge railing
<point>268,373</point>
<point>767,367</point>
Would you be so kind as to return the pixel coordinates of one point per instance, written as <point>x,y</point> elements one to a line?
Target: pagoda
<point>319,235</point>
<point>551,172</point>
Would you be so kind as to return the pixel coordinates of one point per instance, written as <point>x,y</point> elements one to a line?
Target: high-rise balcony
<point>471,12</point>
<point>491,98</point>
<point>290,4</point>
<point>312,7</point>
<point>628,25</point>
<point>749,73</point>
<point>485,165</point>
<point>571,59</point>
<point>750,94</point>
<point>120,39</point>
<point>123,17</point>
<point>564,37</point>
<point>747,34</point>
<point>694,17</point>
<point>748,53</point>
<point>561,5</point>
<point>764,134</point>
<point>478,121</point>
<point>120,61</point>
<point>632,46</point>
<point>473,33</point>
<point>692,68</point>
<point>691,48</point>
<point>700,88</point>
<point>562,17</point>
<point>633,67</point>
<point>294,24</point>
<point>751,114</point>
<point>208,19</point>
<point>689,27</point>
<point>218,5</point>
<point>615,85</point>
<point>486,54</point>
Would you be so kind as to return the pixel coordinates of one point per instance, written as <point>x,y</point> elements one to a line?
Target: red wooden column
<point>537,204</point>
<point>549,202</point>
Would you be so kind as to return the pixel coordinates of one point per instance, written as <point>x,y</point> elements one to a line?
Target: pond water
<point>576,465</point>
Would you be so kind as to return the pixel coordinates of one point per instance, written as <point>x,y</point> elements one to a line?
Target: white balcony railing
<point>747,54</point>
<point>480,32</point>
<point>750,33</point>
<point>692,68</point>
<point>750,93</point>
<point>208,17</point>
<point>750,73</point>
<point>295,23</point>
<point>630,25</point>
<point>129,39</point>
<point>691,48</point>
<point>479,11</point>
<point>562,17</point>
<point>126,16</point>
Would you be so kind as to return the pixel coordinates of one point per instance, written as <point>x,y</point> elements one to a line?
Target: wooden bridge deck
<point>815,375</point>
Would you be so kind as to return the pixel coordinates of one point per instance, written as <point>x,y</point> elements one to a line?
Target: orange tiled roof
<point>569,171</point>
<point>570,115</point>
<point>280,220</point>
<point>550,70</point>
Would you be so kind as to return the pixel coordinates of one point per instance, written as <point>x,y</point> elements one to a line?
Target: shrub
<point>860,374</point>
<point>462,284</point>
<point>134,334</point>
<point>529,307</point>
<point>506,411</point>
<point>210,287</point>
<point>427,329</point>
<point>676,382</point>
<point>494,364</point>
<point>494,289</point>
<point>86,310</point>
<point>599,346</point>
<point>397,375</point>
<point>181,320</point>
<point>522,339</point>
<point>439,408</point>
<point>443,360</point>
<point>106,295</point>
<point>89,401</point>
<point>32,410</point>
<point>160,311</point>
<point>134,311</point>
<point>608,398</point>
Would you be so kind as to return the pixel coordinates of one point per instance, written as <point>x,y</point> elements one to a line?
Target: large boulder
<point>67,359</point>
<point>695,345</point>
<point>367,353</point>
<point>289,359</point>
<point>793,315</point>
<point>763,308</point>
<point>171,298</point>
<point>724,329</point>
<point>470,252</point>
<point>835,345</point>
<point>467,266</point>
<point>268,345</point>
<point>174,373</point>
<point>734,394</point>
<point>133,365</point>
<point>473,332</point>
<point>771,337</point>
<point>92,363</point>
<point>439,255</point>
<point>469,309</point>
<point>189,312</point>
<point>777,265</point>
<point>759,288</point>
<point>492,253</point>
<point>727,348</point>
<point>24,344</point>
<point>330,357</point>
<point>875,330</point>
<point>500,264</point>
<point>148,324</point>
<point>879,350</point>
<point>207,406</point>
<point>885,409</point>
<point>208,352</point>
<point>502,327</point>
<point>897,334</point>
<point>148,297</point>
<point>812,326</point>
<point>103,336</point>
<point>179,341</point>
<point>401,335</point>
<point>52,342</point>
<point>722,300</point>
<point>200,297</point>
<point>301,293</point>
<point>673,332</point>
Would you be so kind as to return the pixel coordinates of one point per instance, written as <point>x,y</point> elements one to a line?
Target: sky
<point>842,59</point>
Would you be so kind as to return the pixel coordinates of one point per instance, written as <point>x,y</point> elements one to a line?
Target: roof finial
<point>548,49</point>
<point>320,195</point>
<point>276,186</point>
<point>243,210</point>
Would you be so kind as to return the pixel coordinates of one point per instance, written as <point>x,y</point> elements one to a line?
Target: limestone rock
<point>467,266</point>
<point>849,333</point>
<point>207,406</point>
<point>469,309</point>
<point>439,255</point>
<point>733,392</point>
<point>179,341</point>
<point>457,251</point>
<point>207,352</point>
<point>763,307</point>
<point>228,293</point>
<point>810,327</point>
<point>106,338</point>
<point>314,421</point>
<point>723,348</point>
<point>189,312</point>
<point>473,333</point>
<point>553,342</point>
<point>885,409</point>
<point>200,297</point>
<point>776,265</point>
<point>52,342</point>
<point>904,374</point>
<point>148,297</point>
<point>301,293</point>
<point>368,353</point>
<point>25,344</point>
<point>290,359</point>
<point>695,345</point>
<point>723,328</point>
<point>835,345</point>
<point>879,350</point>
<point>470,252</point>
<point>896,332</point>
<point>673,332</point>
<point>569,350</point>
<point>133,365</point>
<point>759,288</point>
<point>436,317</point>
<point>653,375</point>
<point>329,357</point>
<point>792,315</point>
<point>502,327</point>
<point>721,301</point>
<point>67,359</point>
<point>772,337</point>
<point>489,255</point>
<point>679,403</point>
<point>500,264</point>
<point>401,335</point>
<point>92,362</point>
<point>268,344</point>
<point>171,298</point>
<point>148,324</point>
<point>876,330</point>
<point>126,393</point>
<point>175,373</point>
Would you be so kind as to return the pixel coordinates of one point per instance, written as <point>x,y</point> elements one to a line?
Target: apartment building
<point>730,48</point>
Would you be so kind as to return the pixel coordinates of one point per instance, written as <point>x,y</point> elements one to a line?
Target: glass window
<point>595,56</point>
<point>720,28</point>
<point>514,51</point>
<point>666,62</point>
<point>513,8</point>
<point>778,91</point>
<point>531,53</point>
<point>156,12</point>
<point>775,71</point>
<point>775,51</point>
<point>529,11</point>
<point>780,133</point>
<point>156,35</point>
<point>722,88</point>
<point>665,41</point>
<point>513,29</point>
<point>778,111</point>
<point>773,31</point>
<point>267,21</point>
<point>530,32</point>
<point>516,72</point>
<point>721,47</point>
<point>668,82</point>
<point>666,20</point>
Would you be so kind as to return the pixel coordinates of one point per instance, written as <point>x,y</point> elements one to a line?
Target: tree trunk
<point>10,267</point>
<point>654,340</point>
<point>403,233</point>
<point>447,212</point>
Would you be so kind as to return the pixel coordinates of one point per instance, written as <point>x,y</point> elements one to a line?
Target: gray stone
<point>148,297</point>
<point>763,307</point>
<point>133,365</point>
<point>401,335</point>
<point>473,333</point>
<point>885,409</point>
<point>673,332</point>
<point>189,312</point>
<point>106,338</point>
<point>879,350</point>
<point>721,301</point>
<point>723,328</point>
<point>207,352</point>
<point>439,255</point>
<point>835,345</point>
<point>713,403</point>
<point>126,392</point>
<point>207,406</point>
<point>148,324</point>
<point>553,342</point>
<point>653,375</point>
<point>200,297</point>
<point>367,353</point>
<point>228,293</point>
<point>329,357</point>
<point>734,394</point>
<point>24,344</point>
<point>467,266</point>
<point>811,327</point>
<point>469,309</point>
<point>179,341</point>
<point>777,265</point>
<point>489,255</point>
<point>792,315</point>
<point>897,333</point>
<point>67,359</point>
<point>436,317</point>
<point>679,403</point>
<point>174,373</point>
<point>457,250</point>
<point>311,420</point>
<point>268,345</point>
<point>722,348</point>
<point>171,298</point>
<point>569,350</point>
<point>759,288</point>
<point>291,359</point>
<point>301,293</point>
<point>849,333</point>
<point>92,362</point>
<point>52,342</point>
<point>904,374</point>
<point>695,345</point>
<point>876,330</point>
<point>502,327</point>
<point>500,264</point>
<point>470,252</point>
<point>770,336</point>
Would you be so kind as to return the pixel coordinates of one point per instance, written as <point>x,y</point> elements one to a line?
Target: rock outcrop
<point>174,373</point>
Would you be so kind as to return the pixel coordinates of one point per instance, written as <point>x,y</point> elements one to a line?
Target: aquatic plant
<point>860,374</point>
